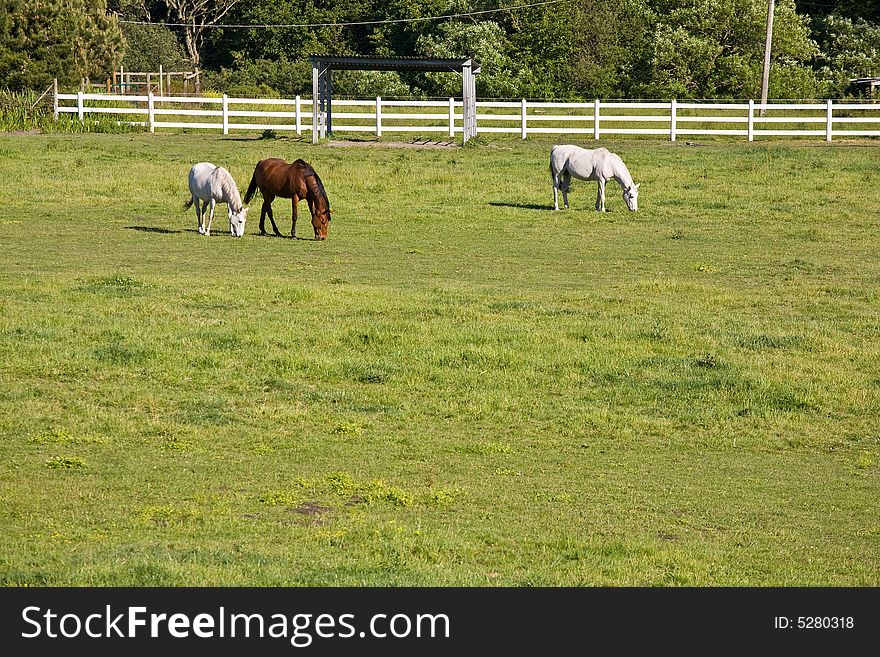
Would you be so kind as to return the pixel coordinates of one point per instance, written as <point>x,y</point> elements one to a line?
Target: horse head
<point>321,220</point>
<point>236,221</point>
<point>631,196</point>
<point>319,204</point>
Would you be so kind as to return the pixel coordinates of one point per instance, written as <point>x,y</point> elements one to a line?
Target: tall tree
<point>64,39</point>
<point>198,16</point>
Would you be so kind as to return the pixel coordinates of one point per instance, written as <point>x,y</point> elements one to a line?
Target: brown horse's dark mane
<point>313,181</point>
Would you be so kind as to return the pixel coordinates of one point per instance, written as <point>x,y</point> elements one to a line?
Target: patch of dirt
<point>312,511</point>
<point>418,143</point>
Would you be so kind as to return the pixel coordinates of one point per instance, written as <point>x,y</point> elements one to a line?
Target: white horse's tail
<point>188,204</point>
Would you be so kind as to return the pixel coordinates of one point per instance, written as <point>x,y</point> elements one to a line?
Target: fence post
<point>828,121</point>
<point>596,119</point>
<point>150,112</point>
<point>80,110</point>
<point>751,125</point>
<point>225,114</point>
<point>161,81</point>
<point>55,98</point>
<point>673,115</point>
<point>523,118</point>
<point>298,117</point>
<point>378,116</point>
<point>451,117</point>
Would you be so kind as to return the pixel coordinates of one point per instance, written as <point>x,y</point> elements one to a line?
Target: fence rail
<point>600,118</point>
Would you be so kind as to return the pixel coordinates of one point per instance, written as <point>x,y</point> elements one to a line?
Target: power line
<point>351,24</point>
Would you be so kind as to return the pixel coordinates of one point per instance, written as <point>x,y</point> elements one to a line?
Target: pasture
<point>458,387</point>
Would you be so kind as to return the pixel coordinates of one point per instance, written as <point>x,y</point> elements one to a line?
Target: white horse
<point>598,164</point>
<point>211,184</point>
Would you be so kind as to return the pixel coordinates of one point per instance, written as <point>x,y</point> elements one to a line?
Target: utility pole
<point>765,80</point>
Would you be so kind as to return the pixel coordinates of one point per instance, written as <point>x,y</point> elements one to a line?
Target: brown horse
<point>296,181</point>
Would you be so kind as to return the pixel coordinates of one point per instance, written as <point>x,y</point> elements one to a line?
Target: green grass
<point>459,387</point>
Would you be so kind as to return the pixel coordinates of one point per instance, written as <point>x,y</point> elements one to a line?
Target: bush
<point>262,78</point>
<point>26,110</point>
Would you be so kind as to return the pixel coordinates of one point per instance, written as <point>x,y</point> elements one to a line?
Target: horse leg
<point>272,219</point>
<point>555,189</point>
<point>263,218</point>
<point>600,197</point>
<point>210,218</point>
<point>267,208</point>
<point>293,217</point>
<point>198,205</point>
<point>566,183</point>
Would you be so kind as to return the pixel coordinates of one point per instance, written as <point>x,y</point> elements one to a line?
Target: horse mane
<point>230,189</point>
<point>622,174</point>
<point>313,181</point>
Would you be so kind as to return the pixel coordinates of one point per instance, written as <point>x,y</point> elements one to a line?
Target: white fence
<point>598,118</point>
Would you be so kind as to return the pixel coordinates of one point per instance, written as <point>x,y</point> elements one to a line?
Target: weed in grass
<point>279,498</point>
<point>174,444</point>
<point>707,361</point>
<point>62,437</point>
<point>348,429</point>
<point>116,285</point>
<point>441,497</point>
<point>65,462</point>
<point>486,448</point>
<point>165,515</point>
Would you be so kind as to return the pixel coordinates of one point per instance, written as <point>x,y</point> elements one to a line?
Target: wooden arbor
<point>322,84</point>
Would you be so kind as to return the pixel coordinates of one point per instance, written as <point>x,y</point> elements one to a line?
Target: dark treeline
<point>566,50</point>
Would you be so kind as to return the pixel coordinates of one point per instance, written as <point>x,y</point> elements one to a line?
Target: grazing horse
<point>598,164</point>
<point>296,181</point>
<point>209,184</point>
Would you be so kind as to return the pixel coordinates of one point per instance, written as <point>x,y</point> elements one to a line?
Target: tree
<point>197,17</point>
<point>714,48</point>
<point>853,9</point>
<point>64,39</point>
<point>594,49</point>
<point>148,46</point>
<point>488,44</point>
<point>849,49</point>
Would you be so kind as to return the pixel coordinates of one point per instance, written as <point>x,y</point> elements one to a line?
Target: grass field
<point>459,387</point>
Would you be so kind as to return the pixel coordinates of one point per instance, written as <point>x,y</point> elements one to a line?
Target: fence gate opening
<point>322,84</point>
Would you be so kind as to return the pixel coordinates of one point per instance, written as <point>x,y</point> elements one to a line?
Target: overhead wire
<point>346,24</point>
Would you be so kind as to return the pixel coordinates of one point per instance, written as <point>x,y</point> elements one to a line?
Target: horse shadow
<point>154,229</point>
<point>531,206</point>
<point>287,237</point>
<point>521,206</point>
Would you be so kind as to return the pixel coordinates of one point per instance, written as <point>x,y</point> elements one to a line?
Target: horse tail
<point>252,188</point>
<point>187,205</point>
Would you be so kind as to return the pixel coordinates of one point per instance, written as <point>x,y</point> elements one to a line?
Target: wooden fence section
<point>672,119</point>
